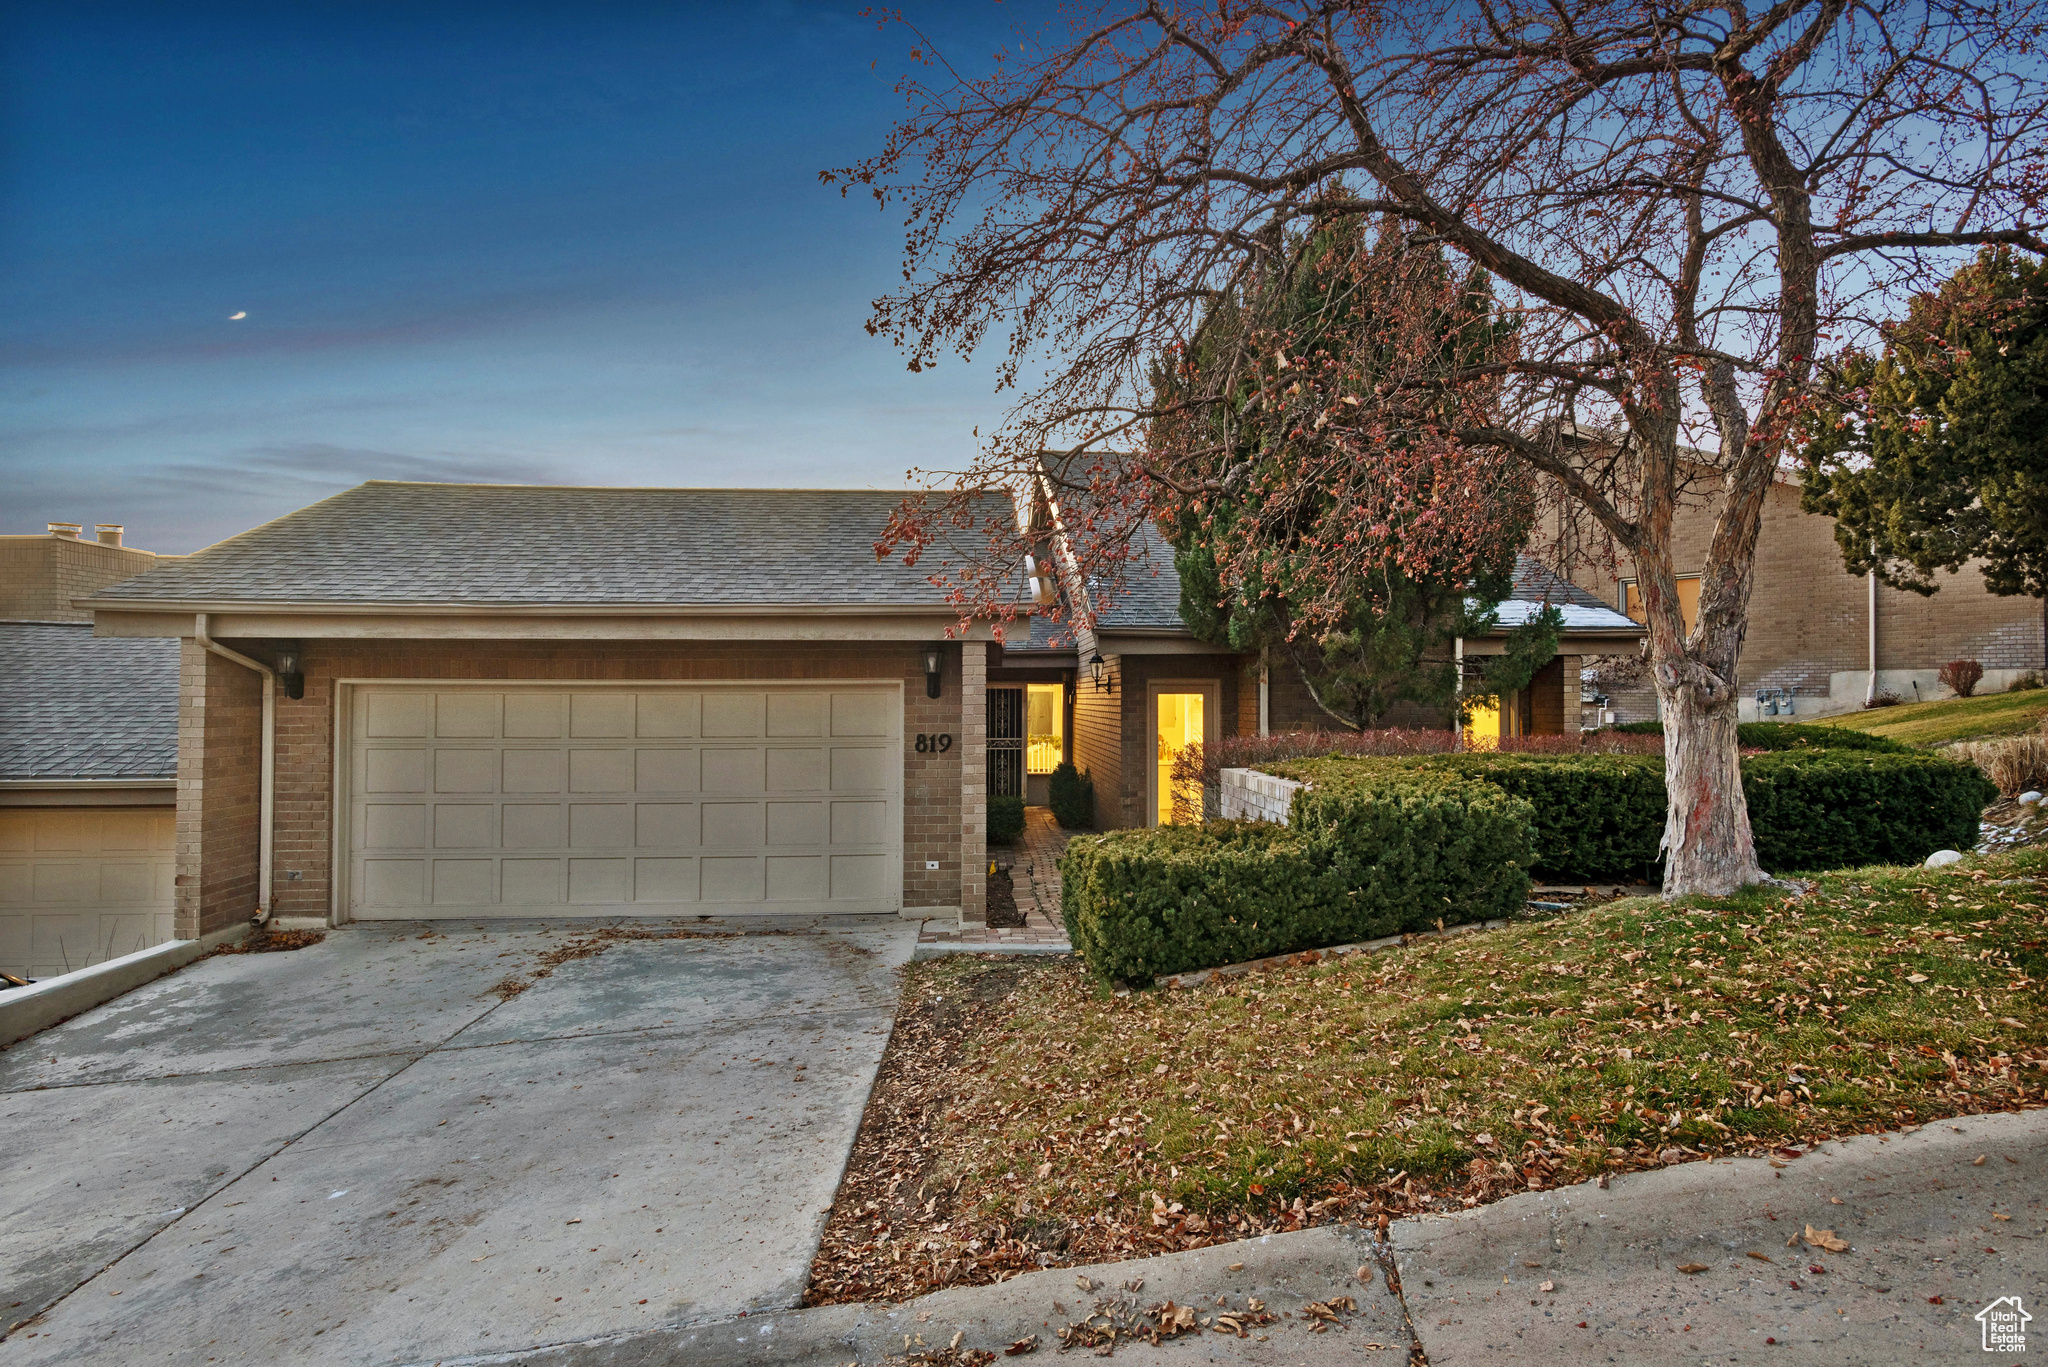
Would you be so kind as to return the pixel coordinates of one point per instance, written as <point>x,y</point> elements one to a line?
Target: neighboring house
<point>88,762</point>
<point>1814,628</point>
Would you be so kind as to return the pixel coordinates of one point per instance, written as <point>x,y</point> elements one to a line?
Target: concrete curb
<point>924,952</point>
<point>25,1011</point>
<point>1286,1271</point>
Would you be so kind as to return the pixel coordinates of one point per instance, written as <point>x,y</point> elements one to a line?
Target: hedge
<point>1598,818</point>
<point>1787,735</point>
<point>1369,852</point>
<point>1837,810</point>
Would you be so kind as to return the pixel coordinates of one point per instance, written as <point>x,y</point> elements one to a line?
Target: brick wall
<point>1119,737</point>
<point>1098,739</point>
<point>941,792</point>
<point>40,575</point>
<point>972,823</point>
<point>1809,618</point>
<point>220,728</point>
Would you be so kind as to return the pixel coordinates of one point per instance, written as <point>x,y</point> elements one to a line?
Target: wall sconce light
<point>1067,678</point>
<point>1097,670</point>
<point>934,658</point>
<point>291,662</point>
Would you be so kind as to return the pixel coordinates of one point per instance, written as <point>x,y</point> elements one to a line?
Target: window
<point>1045,714</point>
<point>1179,726</point>
<point>1688,600</point>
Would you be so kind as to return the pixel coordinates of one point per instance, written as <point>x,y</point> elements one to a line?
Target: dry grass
<point>1070,1127</point>
<point>1950,719</point>
<point>2016,764</point>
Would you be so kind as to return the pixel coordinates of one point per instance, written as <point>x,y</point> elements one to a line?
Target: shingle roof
<point>1535,585</point>
<point>1149,595</point>
<point>73,705</point>
<point>519,545</point>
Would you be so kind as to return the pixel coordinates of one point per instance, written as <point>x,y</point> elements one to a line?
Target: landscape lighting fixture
<point>933,659</point>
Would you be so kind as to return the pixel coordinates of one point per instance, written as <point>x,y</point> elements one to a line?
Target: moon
<point>237,317</point>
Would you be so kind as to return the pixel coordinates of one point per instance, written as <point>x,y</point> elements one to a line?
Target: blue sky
<point>549,243</point>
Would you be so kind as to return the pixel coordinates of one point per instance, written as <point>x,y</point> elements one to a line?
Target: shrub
<point>1071,794</point>
<point>2015,764</point>
<point>1370,851</point>
<point>1961,677</point>
<point>1882,697</point>
<point>2025,683</point>
<point>1005,819</point>
<point>1790,735</point>
<point>1597,818</point>
<point>1834,809</point>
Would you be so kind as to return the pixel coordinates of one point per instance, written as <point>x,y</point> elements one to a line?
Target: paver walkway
<point>1035,879</point>
<point>358,1153</point>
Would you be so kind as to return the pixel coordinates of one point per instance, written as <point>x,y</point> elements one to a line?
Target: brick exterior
<point>220,752</point>
<point>944,811</point>
<point>1113,736</point>
<point>1809,618</point>
<point>40,575</point>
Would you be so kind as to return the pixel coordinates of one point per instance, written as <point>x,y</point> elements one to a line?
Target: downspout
<point>1870,693</point>
<point>266,782</point>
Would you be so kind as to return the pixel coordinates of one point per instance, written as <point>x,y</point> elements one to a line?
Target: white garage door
<point>627,801</point>
<point>81,886</point>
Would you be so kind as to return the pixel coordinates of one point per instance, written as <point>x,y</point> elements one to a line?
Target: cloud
<point>182,506</point>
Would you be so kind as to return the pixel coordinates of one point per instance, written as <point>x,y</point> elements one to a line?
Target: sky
<point>536,243</point>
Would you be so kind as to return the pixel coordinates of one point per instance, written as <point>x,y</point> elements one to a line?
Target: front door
<point>1180,719</point>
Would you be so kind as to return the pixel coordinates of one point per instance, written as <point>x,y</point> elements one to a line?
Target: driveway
<point>358,1153</point>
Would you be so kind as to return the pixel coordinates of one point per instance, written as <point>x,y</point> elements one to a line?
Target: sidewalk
<point>1918,1211</point>
<point>1035,876</point>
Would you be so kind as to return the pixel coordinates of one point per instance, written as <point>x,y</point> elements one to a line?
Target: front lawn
<point>1025,1118</point>
<point>1937,723</point>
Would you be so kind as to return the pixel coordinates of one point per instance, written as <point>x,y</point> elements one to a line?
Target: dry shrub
<point>2016,764</point>
<point>1961,677</point>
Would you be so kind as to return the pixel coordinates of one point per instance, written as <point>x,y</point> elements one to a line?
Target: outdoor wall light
<point>291,669</point>
<point>1097,671</point>
<point>1067,678</point>
<point>934,658</point>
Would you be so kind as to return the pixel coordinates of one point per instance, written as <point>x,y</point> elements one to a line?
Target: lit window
<point>1688,600</point>
<point>1045,736</point>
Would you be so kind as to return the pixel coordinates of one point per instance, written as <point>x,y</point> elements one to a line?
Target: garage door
<point>82,886</point>
<point>641,801</point>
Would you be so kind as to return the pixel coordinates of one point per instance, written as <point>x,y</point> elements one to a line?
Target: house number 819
<point>934,745</point>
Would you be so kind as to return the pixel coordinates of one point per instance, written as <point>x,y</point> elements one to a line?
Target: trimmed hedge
<point>1005,819</point>
<point>1787,735</point>
<point>1838,810</point>
<point>1370,852</point>
<point>1598,818</point>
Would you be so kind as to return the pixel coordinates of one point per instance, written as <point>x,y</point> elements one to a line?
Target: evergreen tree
<point>1935,452</point>
<point>1387,636</point>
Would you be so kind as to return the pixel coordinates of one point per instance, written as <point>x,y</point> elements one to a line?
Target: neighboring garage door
<point>641,801</point>
<point>83,885</point>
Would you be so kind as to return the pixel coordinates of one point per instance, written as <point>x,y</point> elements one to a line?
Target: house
<point>88,761</point>
<point>440,700</point>
<point>1820,640</point>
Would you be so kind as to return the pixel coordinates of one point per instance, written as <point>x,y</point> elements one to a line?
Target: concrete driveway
<point>357,1153</point>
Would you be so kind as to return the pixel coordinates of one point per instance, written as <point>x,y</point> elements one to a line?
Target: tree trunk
<point>1707,845</point>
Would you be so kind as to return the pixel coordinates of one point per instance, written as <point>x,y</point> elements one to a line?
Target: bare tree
<point>1681,206</point>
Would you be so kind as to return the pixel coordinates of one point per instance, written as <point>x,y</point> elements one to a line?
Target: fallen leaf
<point>1548,1286</point>
<point>1690,1268</point>
<point>1916,977</point>
<point>1021,1347</point>
<point>1827,1239</point>
<point>1978,1161</point>
<point>1760,1257</point>
<point>1236,1267</point>
<point>2001,1217</point>
<point>1365,1270</point>
<point>1044,1171</point>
